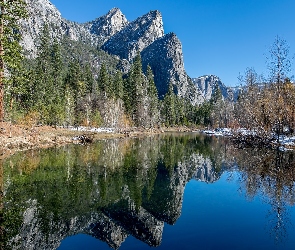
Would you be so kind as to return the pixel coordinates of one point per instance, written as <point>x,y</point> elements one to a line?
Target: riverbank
<point>15,138</point>
<point>249,138</point>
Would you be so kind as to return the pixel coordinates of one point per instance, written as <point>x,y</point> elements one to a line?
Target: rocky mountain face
<point>124,40</point>
<point>41,12</point>
<point>207,85</point>
<point>108,25</point>
<point>166,60</point>
<point>136,36</point>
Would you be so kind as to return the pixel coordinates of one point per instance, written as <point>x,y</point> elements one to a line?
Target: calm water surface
<point>180,191</point>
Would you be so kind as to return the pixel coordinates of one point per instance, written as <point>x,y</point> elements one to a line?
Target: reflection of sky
<point>214,216</point>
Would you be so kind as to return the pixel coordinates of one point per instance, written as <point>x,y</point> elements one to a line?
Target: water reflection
<point>270,173</point>
<point>120,187</point>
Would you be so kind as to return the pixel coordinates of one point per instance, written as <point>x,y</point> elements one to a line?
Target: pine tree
<point>43,74</point>
<point>133,91</point>
<point>179,111</point>
<point>169,106</point>
<point>217,105</point>
<point>88,78</point>
<point>118,85</point>
<point>153,98</point>
<point>56,100</point>
<point>103,81</point>
<point>11,11</point>
<point>74,85</point>
<point>140,84</point>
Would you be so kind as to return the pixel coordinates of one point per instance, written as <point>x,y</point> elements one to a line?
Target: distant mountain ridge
<point>207,85</point>
<point>136,36</point>
<point>122,39</point>
<point>108,25</point>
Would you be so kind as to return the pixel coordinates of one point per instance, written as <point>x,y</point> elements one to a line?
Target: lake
<point>168,191</point>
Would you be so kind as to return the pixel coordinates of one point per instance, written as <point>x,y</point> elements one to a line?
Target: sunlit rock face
<point>208,84</point>
<point>43,12</point>
<point>166,60</point>
<point>136,36</point>
<point>39,12</point>
<point>115,35</point>
<point>107,25</point>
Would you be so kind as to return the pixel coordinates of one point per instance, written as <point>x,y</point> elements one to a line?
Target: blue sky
<point>220,37</point>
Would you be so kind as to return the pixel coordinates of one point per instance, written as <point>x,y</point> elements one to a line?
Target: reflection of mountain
<point>137,221</point>
<point>103,228</point>
<point>109,190</point>
<point>205,169</point>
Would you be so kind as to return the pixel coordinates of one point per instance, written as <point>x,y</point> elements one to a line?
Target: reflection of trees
<point>98,189</point>
<point>1,207</point>
<point>272,173</point>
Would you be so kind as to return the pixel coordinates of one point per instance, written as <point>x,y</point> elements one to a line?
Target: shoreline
<point>15,138</point>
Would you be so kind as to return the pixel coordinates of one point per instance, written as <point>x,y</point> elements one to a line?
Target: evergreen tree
<point>103,81</point>
<point>88,78</point>
<point>153,98</point>
<point>57,66</point>
<point>74,85</point>
<point>43,81</point>
<point>118,85</point>
<point>179,111</point>
<point>56,104</point>
<point>10,50</point>
<point>134,91</point>
<point>217,105</point>
<point>169,106</point>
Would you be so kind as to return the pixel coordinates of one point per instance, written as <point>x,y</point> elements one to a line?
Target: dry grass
<point>28,136</point>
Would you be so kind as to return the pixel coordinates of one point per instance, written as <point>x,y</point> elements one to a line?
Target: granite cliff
<point>136,36</point>
<point>120,38</point>
<point>108,25</point>
<point>207,85</point>
<point>166,60</point>
<point>43,12</point>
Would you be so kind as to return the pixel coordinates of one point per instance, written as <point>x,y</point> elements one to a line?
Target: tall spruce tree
<point>153,108</point>
<point>75,89</point>
<point>103,81</point>
<point>43,82</point>
<point>138,84</point>
<point>11,11</point>
<point>56,104</point>
<point>133,89</point>
<point>88,78</point>
<point>169,106</point>
<point>118,85</point>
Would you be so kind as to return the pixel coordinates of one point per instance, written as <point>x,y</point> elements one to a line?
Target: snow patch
<point>94,130</point>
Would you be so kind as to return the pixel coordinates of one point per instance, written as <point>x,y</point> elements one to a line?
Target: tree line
<point>60,86</point>
<point>63,87</point>
<point>264,105</point>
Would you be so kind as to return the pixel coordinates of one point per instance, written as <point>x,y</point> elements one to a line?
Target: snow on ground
<point>94,130</point>
<point>219,132</point>
<point>285,142</point>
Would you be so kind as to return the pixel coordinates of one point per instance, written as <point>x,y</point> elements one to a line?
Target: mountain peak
<point>136,36</point>
<point>165,57</point>
<point>207,85</point>
<point>115,10</point>
<point>155,13</point>
<point>107,25</point>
